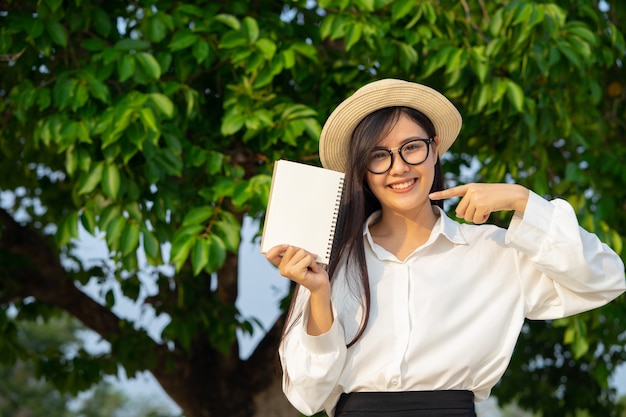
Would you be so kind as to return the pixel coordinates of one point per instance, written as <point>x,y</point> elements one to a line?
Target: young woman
<point>417,314</point>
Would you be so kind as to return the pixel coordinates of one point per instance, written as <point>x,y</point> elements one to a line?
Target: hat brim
<point>338,129</point>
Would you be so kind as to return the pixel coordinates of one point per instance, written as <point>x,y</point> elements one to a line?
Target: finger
<point>275,254</point>
<point>463,209</point>
<point>295,262</point>
<point>480,218</point>
<point>469,213</point>
<point>458,191</point>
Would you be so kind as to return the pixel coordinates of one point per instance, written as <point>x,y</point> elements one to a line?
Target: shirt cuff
<point>527,230</point>
<point>324,343</point>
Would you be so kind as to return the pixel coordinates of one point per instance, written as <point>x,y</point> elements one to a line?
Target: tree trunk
<point>271,402</point>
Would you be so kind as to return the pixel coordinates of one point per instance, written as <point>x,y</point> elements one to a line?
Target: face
<point>404,188</point>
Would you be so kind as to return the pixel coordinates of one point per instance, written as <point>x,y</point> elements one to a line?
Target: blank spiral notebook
<point>303,207</point>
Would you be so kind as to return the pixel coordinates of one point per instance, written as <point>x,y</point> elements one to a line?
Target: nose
<point>398,166</point>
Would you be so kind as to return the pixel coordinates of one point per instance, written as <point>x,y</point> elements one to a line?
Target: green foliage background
<point>154,124</point>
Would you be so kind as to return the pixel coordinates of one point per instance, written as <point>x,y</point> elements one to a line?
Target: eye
<point>379,154</point>
<point>415,146</point>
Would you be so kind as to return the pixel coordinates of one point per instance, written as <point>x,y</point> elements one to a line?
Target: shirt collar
<point>444,226</point>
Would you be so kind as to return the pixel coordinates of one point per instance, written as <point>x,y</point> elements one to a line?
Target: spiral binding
<point>333,225</point>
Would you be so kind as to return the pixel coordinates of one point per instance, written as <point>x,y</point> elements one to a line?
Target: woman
<point>417,314</point>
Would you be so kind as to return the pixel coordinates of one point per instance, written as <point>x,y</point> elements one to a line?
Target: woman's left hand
<point>480,200</point>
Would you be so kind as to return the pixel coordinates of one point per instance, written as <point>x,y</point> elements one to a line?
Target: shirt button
<point>394,382</point>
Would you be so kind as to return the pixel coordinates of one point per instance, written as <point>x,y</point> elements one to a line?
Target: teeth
<point>403,185</point>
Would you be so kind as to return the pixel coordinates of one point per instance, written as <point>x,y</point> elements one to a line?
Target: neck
<point>402,232</point>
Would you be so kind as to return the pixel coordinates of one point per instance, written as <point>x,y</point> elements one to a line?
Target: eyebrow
<point>409,139</point>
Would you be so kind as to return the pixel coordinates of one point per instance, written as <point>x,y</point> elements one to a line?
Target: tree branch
<point>40,274</point>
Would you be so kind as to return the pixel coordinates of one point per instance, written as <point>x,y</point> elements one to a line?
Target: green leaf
<point>566,49</point>
<point>515,95</point>
<point>232,122</point>
<point>157,30</point>
<point>149,64</point>
<point>326,28</point>
<point>132,45</point>
<point>264,78</point>
<point>149,119</point>
<point>88,220</point>
<point>217,254</point>
<point>267,47</point>
<point>229,20</point>
<point>68,229</point>
<point>197,215</point>
<point>233,39</point>
<point>182,40</point>
<point>151,245</point>
<point>111,181</point>
<point>35,29</point>
<point>88,182</point>
<point>93,44</point>
<point>200,255</point>
<point>401,8</point>
<point>98,89</point>
<point>353,35</point>
<point>523,13</point>
<point>132,207</point>
<point>429,12</point>
<point>180,251</point>
<point>497,20</point>
<point>229,229</point>
<point>191,10</point>
<point>163,103</point>
<point>367,5</point>
<point>171,163</point>
<point>241,195</point>
<point>410,55</point>
<point>296,111</point>
<point>101,21</point>
<point>114,232</point>
<point>201,51</point>
<point>108,214</point>
<point>289,58</point>
<point>57,32</point>
<point>250,29</point>
<point>126,67</point>
<point>80,97</point>
<point>215,161</point>
<point>53,4</point>
<point>130,238</point>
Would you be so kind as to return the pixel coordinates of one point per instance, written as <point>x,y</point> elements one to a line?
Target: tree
<point>154,123</point>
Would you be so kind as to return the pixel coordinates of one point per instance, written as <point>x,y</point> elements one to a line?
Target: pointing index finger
<point>458,191</point>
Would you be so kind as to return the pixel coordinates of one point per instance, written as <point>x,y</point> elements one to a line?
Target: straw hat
<point>337,130</point>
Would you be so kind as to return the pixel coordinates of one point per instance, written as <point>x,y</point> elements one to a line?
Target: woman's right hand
<point>299,266</point>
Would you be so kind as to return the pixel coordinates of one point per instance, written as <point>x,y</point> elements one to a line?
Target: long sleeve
<point>570,269</point>
<point>311,365</point>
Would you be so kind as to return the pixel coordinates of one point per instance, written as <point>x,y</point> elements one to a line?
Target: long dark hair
<point>358,203</point>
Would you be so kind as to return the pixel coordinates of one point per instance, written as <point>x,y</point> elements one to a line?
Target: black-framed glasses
<point>413,152</point>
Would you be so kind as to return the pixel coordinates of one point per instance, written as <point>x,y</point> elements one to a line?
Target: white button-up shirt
<point>448,316</point>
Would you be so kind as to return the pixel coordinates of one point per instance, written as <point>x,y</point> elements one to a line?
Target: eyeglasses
<point>413,152</point>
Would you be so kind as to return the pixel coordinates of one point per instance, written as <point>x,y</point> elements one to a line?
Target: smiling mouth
<point>402,185</point>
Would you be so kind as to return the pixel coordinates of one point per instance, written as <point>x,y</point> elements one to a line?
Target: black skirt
<point>449,403</point>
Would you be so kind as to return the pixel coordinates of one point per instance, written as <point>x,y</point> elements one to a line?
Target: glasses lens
<point>414,152</point>
<point>379,161</point>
